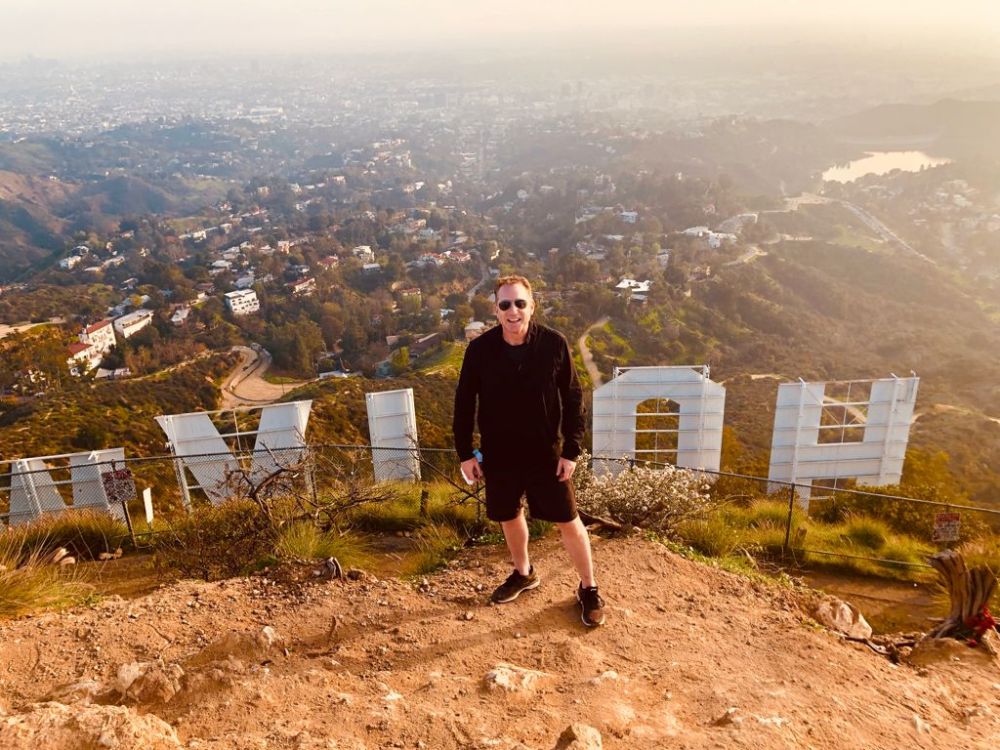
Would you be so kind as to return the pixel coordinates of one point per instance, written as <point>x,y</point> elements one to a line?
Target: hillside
<point>957,128</point>
<point>690,656</point>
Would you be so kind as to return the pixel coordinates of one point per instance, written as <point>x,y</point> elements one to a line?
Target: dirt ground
<point>690,657</point>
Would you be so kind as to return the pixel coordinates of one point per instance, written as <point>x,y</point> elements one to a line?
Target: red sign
<point>946,527</point>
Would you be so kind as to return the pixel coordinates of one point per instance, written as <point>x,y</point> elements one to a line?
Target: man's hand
<point>565,469</point>
<point>472,470</point>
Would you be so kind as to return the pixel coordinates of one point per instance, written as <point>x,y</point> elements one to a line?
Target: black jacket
<point>523,407</point>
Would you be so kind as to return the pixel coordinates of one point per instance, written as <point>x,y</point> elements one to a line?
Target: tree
<point>400,360</point>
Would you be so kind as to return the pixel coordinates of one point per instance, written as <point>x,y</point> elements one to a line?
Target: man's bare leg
<point>515,533</point>
<point>577,543</point>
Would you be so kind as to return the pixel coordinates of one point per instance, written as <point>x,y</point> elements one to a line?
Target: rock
<point>921,726</point>
<point>83,691</point>
<point>355,575</point>
<point>579,737</point>
<point>842,617</point>
<point>250,646</point>
<point>58,556</point>
<point>607,676</point>
<point>149,682</point>
<point>56,726</point>
<point>514,679</point>
<point>731,716</point>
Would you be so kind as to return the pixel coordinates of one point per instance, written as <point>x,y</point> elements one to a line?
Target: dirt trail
<point>588,358</point>
<point>690,657</point>
<point>245,385</point>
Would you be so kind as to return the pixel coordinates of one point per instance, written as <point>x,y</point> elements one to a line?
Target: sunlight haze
<point>105,29</point>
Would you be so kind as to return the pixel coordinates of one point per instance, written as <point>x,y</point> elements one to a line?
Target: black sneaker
<point>591,606</point>
<point>510,589</point>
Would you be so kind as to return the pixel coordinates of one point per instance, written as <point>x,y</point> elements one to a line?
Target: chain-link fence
<point>803,521</point>
<point>130,488</point>
<point>764,515</point>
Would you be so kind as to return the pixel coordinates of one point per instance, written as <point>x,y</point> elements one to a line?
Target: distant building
<point>303,287</point>
<point>180,316</point>
<point>637,289</point>
<point>474,330</point>
<point>371,268</point>
<point>83,357</point>
<point>242,302</point>
<point>425,343</point>
<point>70,262</point>
<point>364,253</point>
<point>100,335</point>
<point>131,324</point>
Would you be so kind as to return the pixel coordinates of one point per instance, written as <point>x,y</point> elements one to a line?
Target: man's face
<point>514,319</point>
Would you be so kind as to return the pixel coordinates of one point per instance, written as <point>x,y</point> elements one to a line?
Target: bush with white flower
<point>651,498</point>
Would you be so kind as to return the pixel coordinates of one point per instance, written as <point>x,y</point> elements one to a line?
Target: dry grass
<point>28,582</point>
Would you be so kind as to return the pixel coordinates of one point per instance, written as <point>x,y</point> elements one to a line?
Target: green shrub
<point>302,540</point>
<point>867,532</point>
<point>713,536</point>
<point>436,544</point>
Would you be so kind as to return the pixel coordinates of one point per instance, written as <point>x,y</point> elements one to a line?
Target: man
<point>530,418</point>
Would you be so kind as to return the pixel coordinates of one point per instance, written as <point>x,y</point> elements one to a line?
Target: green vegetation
<point>304,541</point>
<point>446,362</point>
<point>86,534</point>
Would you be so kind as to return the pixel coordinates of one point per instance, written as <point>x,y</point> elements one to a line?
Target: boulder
<point>579,737</point>
<point>56,726</point>
<point>149,682</point>
<point>842,617</point>
<point>513,679</point>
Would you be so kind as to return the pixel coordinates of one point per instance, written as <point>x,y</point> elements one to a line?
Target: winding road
<point>245,385</point>
<point>588,358</point>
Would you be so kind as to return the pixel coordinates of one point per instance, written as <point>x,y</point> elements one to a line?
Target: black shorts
<point>548,498</point>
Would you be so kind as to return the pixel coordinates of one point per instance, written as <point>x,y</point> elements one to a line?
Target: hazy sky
<point>87,29</point>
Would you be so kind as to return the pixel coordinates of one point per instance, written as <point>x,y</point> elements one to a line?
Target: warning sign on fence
<point>119,486</point>
<point>947,527</point>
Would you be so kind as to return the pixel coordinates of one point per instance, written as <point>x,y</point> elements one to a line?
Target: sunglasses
<point>505,304</point>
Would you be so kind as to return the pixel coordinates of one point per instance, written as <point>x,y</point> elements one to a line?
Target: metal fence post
<point>788,523</point>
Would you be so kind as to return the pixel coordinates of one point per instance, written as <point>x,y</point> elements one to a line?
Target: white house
<point>100,336</point>
<point>638,289</point>
<point>242,302</point>
<point>303,287</point>
<point>180,316</point>
<point>131,324</point>
<point>95,341</point>
<point>364,253</point>
<point>70,262</point>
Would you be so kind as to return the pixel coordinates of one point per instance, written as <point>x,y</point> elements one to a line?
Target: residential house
<point>180,316</point>
<point>303,287</point>
<point>131,324</point>
<point>364,253</point>
<point>242,302</point>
